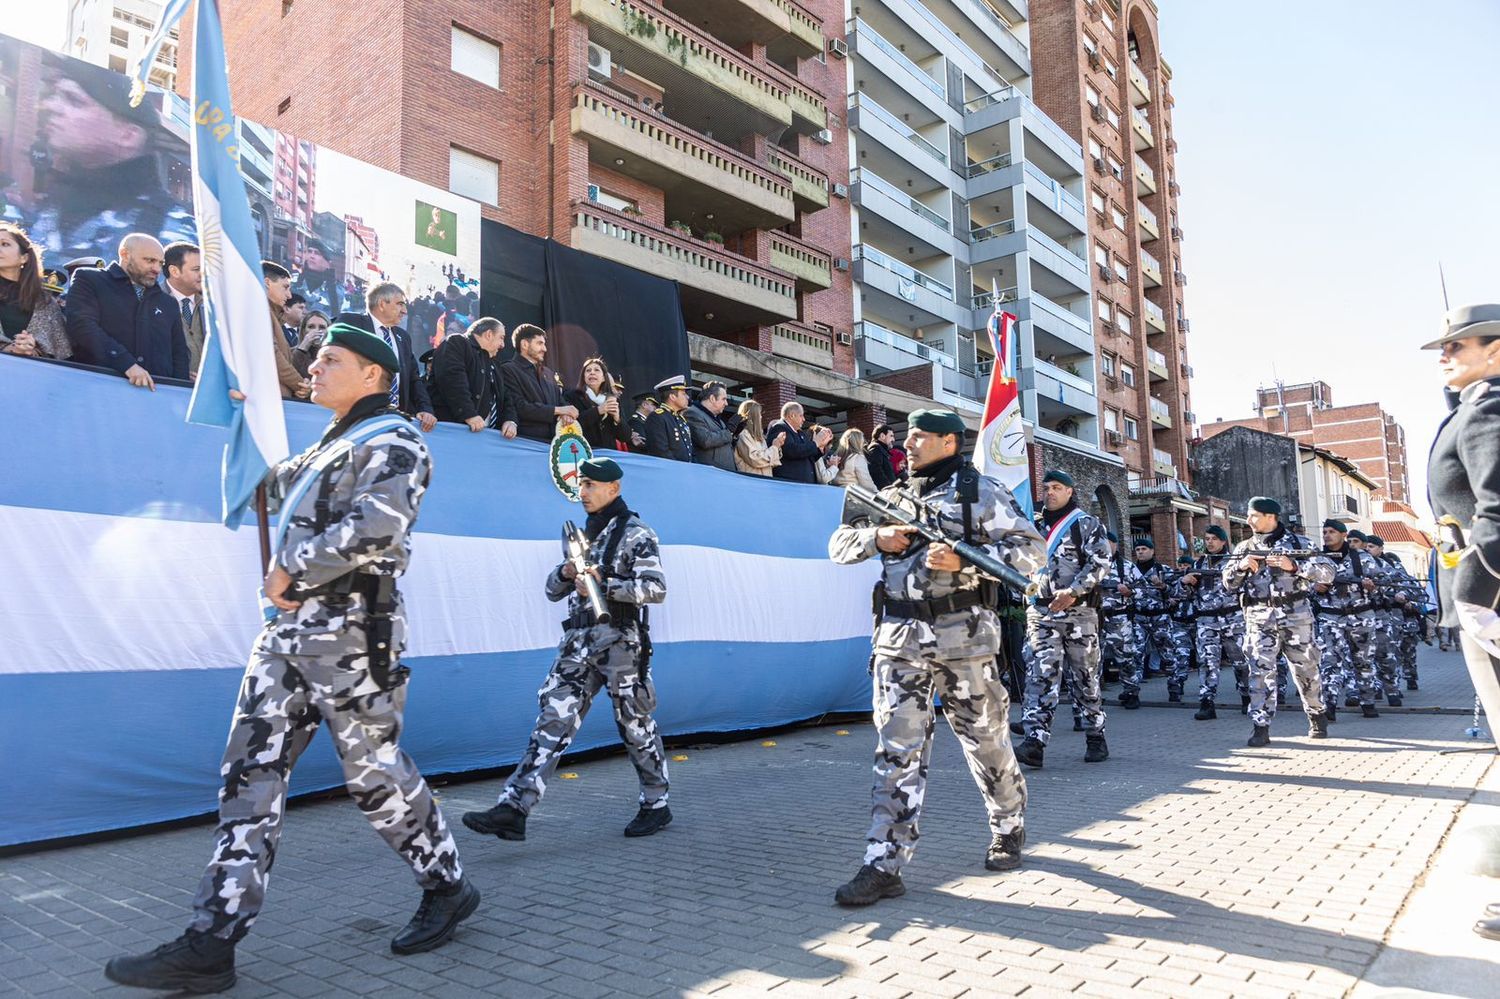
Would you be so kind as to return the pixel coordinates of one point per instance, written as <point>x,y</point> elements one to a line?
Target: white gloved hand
<point>1480,623</point>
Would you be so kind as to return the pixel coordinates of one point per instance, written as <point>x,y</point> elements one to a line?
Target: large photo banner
<point>80,168</point>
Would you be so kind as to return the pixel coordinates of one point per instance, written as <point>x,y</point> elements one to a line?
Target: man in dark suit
<point>533,389</point>
<point>386,303</point>
<point>466,381</point>
<point>120,318</point>
<point>184,274</point>
<point>801,452</point>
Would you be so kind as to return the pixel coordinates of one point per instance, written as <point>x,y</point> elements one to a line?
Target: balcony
<point>891,217</point>
<point>1048,191</point>
<point>1161,416</point>
<point>1150,270</point>
<point>1067,264</point>
<point>809,111</point>
<point>802,342</point>
<point>865,178</point>
<point>863,112</point>
<point>1145,176</point>
<point>1156,365</point>
<point>1140,127</point>
<point>895,289</point>
<point>1161,463</point>
<point>809,185</point>
<point>703,78</point>
<point>1155,317</point>
<point>745,293</point>
<point>872,47</point>
<point>697,174</point>
<point>1140,87</point>
<point>1147,219</point>
<point>777,24</point>
<point>812,267</point>
<point>891,350</point>
<point>986,300</point>
<point>979,234</point>
<point>1048,319</point>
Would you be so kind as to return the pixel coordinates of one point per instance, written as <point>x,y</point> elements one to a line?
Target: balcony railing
<point>1138,81</point>
<point>802,342</point>
<point>986,300</point>
<point>1151,267</point>
<point>859,175</point>
<point>805,103</point>
<point>1155,317</point>
<point>990,165</point>
<point>805,24</point>
<point>978,234</point>
<point>1064,376</point>
<point>812,267</point>
<point>1162,462</point>
<point>1148,220</point>
<point>1047,241</point>
<point>902,342</point>
<point>1142,125</point>
<point>1156,406</point>
<point>912,69</point>
<point>986,100</point>
<point>1156,364</point>
<point>1053,309</point>
<point>958,44</point>
<point>865,105</point>
<point>1068,197</point>
<point>1145,175</point>
<point>809,186</point>
<point>866,252</point>
<point>993,16</point>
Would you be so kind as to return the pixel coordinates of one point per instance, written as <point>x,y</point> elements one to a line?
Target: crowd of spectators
<point>142,317</point>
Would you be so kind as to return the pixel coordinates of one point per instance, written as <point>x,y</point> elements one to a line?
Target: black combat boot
<point>1351,700</point>
<point>437,918</point>
<point>1098,749</point>
<point>1244,704</point>
<point>1411,683</point>
<point>649,821</point>
<point>1317,726</point>
<point>504,820</point>
<point>1393,701</point>
<point>1330,711</point>
<point>1174,696</point>
<point>1017,728</point>
<point>1368,710</point>
<point>1130,700</point>
<point>1205,709</point>
<point>869,886</point>
<point>1004,853</point>
<point>1029,752</point>
<point>1078,724</point>
<point>194,962</point>
<point>1260,737</point>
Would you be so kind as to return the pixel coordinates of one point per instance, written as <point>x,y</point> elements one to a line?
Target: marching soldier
<point>1390,597</point>
<point>329,651</point>
<point>1062,622</point>
<point>936,632</point>
<point>625,558</point>
<point>1116,629</point>
<point>1345,626</point>
<point>1406,620</point>
<point>1181,614</point>
<point>1153,628</point>
<point>1219,624</point>
<point>667,433</point>
<point>1274,593</point>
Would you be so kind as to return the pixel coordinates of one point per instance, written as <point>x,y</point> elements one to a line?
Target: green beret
<point>1059,476</point>
<point>937,421</point>
<point>1375,539</point>
<point>1219,533</point>
<point>601,470</point>
<point>1337,525</point>
<point>1112,536</point>
<point>366,345</point>
<point>1184,560</point>
<point>1265,504</point>
<point>1145,542</point>
<point>1357,535</point>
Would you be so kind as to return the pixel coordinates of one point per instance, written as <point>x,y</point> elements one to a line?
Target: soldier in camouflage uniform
<point>1153,626</point>
<point>1390,597</point>
<point>329,652</point>
<point>1182,615</point>
<point>937,633</point>
<point>1405,620</point>
<point>1219,624</point>
<point>625,557</point>
<point>1117,649</point>
<point>1062,622</point>
<point>1344,624</point>
<point>1274,592</point>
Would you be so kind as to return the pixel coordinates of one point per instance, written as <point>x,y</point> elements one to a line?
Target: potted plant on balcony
<point>677,225</point>
<point>714,237</point>
<point>632,210</point>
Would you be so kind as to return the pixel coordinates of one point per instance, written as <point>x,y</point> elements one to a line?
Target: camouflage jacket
<point>1180,599</point>
<point>999,525</point>
<point>1394,581</point>
<point>1121,571</point>
<point>374,490</point>
<point>1079,562</point>
<point>1267,582</point>
<point>1210,596</point>
<point>1151,598</point>
<point>634,576</point>
<point>1346,592</point>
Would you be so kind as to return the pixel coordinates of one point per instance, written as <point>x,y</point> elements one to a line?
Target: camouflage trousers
<point>1221,639</point>
<point>282,701</point>
<point>565,699</point>
<point>1181,636</point>
<point>1152,631</point>
<point>1064,644</point>
<point>977,709</point>
<point>1411,634</point>
<point>1347,661</point>
<point>1385,649</point>
<point>1117,649</point>
<point>1272,632</point>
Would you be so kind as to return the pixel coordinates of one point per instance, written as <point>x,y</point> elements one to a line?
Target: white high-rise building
<point>113,34</point>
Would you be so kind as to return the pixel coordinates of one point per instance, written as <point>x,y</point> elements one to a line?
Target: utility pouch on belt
<point>380,603</point>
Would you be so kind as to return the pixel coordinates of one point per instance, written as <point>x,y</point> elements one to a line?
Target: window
<point>1112,421</point>
<point>473,176</point>
<point>1117,168</point>
<point>120,37</point>
<point>475,58</point>
<point>1090,44</point>
<point>614,201</point>
<point>1104,309</point>
<point>1101,254</point>
<point>1091,95</point>
<point>1107,364</point>
<point>1112,116</point>
<point>1132,428</point>
<point>116,64</point>
<point>1122,271</point>
<point>1118,217</point>
<point>1095,150</point>
<point>1122,320</point>
<point>1127,375</point>
<point>1110,68</point>
<point>1097,197</point>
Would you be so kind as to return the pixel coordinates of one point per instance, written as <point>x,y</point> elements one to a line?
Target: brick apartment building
<point>1364,433</point>
<point>701,140</point>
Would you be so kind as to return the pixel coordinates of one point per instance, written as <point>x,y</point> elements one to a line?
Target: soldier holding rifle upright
<point>1219,623</point>
<point>610,650</point>
<point>937,632</point>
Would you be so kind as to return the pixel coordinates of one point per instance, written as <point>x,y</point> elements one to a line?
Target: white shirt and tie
<point>388,335</point>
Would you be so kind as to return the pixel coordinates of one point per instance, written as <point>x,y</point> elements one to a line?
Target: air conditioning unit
<point>823,135</point>
<point>1184,325</point>
<point>838,48</point>
<point>1179,277</point>
<point>1113,438</point>
<point>1099,165</point>
<point>599,61</point>
<point>1105,274</point>
<point>841,190</point>
<point>1094,59</point>
<point>593,192</point>
<point>845,339</point>
<point>840,264</point>
<point>1096,112</point>
<point>1176,232</point>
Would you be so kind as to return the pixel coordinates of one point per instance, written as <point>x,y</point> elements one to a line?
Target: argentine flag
<point>238,352</point>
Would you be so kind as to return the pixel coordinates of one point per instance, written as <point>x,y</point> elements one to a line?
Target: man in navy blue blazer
<point>118,317</point>
<point>387,308</point>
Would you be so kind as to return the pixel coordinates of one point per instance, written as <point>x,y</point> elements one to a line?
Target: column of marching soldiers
<point>948,542</point>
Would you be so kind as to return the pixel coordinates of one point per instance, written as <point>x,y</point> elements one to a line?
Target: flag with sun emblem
<point>1001,450</point>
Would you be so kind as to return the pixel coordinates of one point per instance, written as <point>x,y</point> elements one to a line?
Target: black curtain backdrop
<point>588,305</point>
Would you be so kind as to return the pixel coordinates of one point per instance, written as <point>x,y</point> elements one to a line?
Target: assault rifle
<point>576,554</point>
<point>928,530</point>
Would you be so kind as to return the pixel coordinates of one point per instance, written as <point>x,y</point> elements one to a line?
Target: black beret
<point>1337,525</point>
<point>1218,532</point>
<point>366,345</point>
<point>1265,504</point>
<point>937,421</point>
<point>1184,560</point>
<point>1059,476</point>
<point>1112,536</point>
<point>1357,535</point>
<point>601,470</point>
<point>1145,542</point>
<point>1375,539</point>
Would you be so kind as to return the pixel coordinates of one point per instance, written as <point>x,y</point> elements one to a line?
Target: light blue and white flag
<point>238,350</point>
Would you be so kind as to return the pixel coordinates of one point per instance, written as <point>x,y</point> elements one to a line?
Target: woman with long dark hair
<point>309,338</point>
<point>31,321</point>
<point>597,399</point>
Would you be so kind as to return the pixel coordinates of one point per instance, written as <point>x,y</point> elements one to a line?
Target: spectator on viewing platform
<point>466,381</point>
<point>854,468</point>
<point>31,322</point>
<point>386,305</point>
<point>645,405</point>
<point>667,431</point>
<point>753,454</point>
<point>184,273</point>
<point>292,315</point>
<point>278,283</point>
<point>878,456</point>
<point>534,391</point>
<point>119,318</point>
<point>827,466</point>
<point>597,399</point>
<point>801,453</point>
<point>314,327</point>
<point>713,440</point>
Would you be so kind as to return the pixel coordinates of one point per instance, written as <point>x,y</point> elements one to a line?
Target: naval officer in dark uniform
<point>667,433</point>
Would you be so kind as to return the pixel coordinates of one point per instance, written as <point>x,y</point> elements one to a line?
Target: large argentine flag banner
<point>238,351</point>
<point>1001,450</point>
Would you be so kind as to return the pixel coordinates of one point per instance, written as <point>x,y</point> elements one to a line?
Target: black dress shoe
<point>1130,700</point>
<point>1393,701</point>
<point>1488,928</point>
<point>437,918</point>
<point>504,820</point>
<point>649,821</point>
<point>869,886</point>
<point>194,962</point>
<point>1004,853</point>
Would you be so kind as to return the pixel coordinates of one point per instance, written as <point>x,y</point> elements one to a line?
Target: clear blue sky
<point>1331,152</point>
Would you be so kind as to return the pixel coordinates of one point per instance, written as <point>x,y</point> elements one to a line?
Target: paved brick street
<point>1185,865</point>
